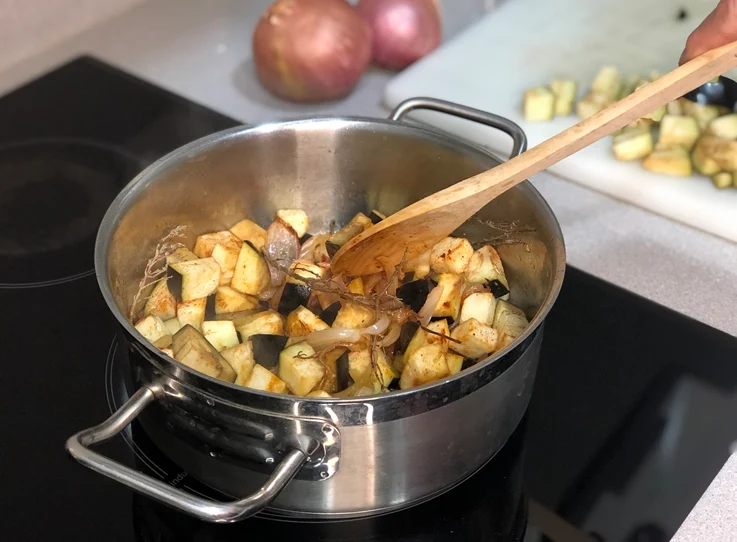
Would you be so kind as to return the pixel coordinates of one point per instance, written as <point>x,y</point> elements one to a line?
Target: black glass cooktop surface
<point>630,420</point>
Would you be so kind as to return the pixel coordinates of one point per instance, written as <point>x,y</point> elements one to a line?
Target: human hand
<point>719,28</point>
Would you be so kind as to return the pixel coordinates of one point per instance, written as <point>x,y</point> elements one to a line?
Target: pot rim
<point>147,176</point>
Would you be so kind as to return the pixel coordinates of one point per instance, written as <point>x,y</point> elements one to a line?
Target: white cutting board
<point>525,43</point>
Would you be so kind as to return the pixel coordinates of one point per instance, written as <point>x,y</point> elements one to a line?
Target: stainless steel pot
<point>320,457</point>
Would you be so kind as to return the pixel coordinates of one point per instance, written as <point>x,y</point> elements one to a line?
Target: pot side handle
<point>469,113</point>
<point>204,509</point>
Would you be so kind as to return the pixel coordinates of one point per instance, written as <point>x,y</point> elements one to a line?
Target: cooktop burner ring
<point>68,183</point>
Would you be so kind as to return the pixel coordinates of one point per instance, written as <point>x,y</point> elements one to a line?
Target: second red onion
<point>403,30</point>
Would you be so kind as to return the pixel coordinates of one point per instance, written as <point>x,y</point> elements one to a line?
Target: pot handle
<point>204,509</point>
<point>469,113</point>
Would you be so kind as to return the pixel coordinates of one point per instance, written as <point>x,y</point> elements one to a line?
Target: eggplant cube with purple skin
<point>200,277</point>
<point>361,370</point>
<point>191,348</point>
<point>450,300</point>
<point>358,224</point>
<point>229,300</point>
<point>261,323</point>
<point>220,333</point>
<point>302,321</point>
<point>486,266</point>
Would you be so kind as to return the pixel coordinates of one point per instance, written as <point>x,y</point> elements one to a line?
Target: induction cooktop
<point>630,420</point>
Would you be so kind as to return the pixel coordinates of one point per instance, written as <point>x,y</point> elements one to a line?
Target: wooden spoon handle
<point>641,102</point>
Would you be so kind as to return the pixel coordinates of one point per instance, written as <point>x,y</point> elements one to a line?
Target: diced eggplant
<point>173,325</point>
<point>247,230</point>
<point>296,219</point>
<point>293,296</point>
<point>229,300</point>
<point>406,334</point>
<point>226,258</point>
<point>419,339</point>
<point>263,379</point>
<point>358,224</point>
<point>342,372</point>
<point>509,322</point>
<point>479,305</point>
<point>191,348</point>
<point>356,286</point>
<point>607,83</point>
<point>205,244</point>
<point>266,349</point>
<point>161,303</point>
<point>632,144</point>
<point>329,314</point>
<point>437,332</point>
<point>182,254</point>
<point>240,358</point>
<point>485,266</point>
<point>238,318</point>
<point>450,300</point>
<point>722,180</point>
<point>251,275</point>
<point>302,321</point>
<point>702,163</point>
<point>678,132</point>
<point>419,265</point>
<point>353,316</point>
<point>475,339</point>
<point>451,255</point>
<point>192,312</point>
<point>455,362</point>
<point>722,151</point>
<point>590,105</point>
<point>299,370</point>
<point>376,216</point>
<point>704,114</point>
<point>724,127</point>
<point>261,323</point>
<point>538,104</point>
<point>331,248</point>
<point>565,94</point>
<point>154,330</point>
<point>426,364</point>
<point>200,277</point>
<point>498,288</point>
<point>415,293</point>
<point>360,369</point>
<point>220,333</point>
<point>675,161</point>
<point>306,270</point>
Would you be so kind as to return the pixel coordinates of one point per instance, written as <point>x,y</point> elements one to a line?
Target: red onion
<point>431,303</point>
<point>379,327</point>
<point>392,336</point>
<point>326,337</point>
<point>308,248</point>
<point>403,30</point>
<point>311,50</point>
<point>282,247</point>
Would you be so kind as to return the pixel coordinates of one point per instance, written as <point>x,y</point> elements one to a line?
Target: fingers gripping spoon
<point>419,226</point>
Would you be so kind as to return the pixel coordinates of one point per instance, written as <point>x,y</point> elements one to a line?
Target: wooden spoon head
<point>407,234</point>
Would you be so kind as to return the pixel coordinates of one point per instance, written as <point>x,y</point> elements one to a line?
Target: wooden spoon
<point>418,227</point>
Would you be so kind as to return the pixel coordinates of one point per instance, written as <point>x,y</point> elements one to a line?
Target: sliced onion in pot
<point>308,249</point>
<point>431,303</point>
<point>379,327</point>
<point>392,336</point>
<point>326,337</point>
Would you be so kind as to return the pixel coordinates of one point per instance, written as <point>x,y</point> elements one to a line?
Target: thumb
<point>719,28</point>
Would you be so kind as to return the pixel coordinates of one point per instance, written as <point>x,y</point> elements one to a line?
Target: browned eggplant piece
<point>293,296</point>
<point>376,216</point>
<point>332,248</point>
<point>266,349</point>
<point>328,315</point>
<point>497,288</point>
<point>415,293</point>
<point>343,376</point>
<point>192,349</point>
<point>405,336</point>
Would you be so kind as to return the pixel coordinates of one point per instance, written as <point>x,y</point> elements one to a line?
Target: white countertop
<point>201,50</point>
